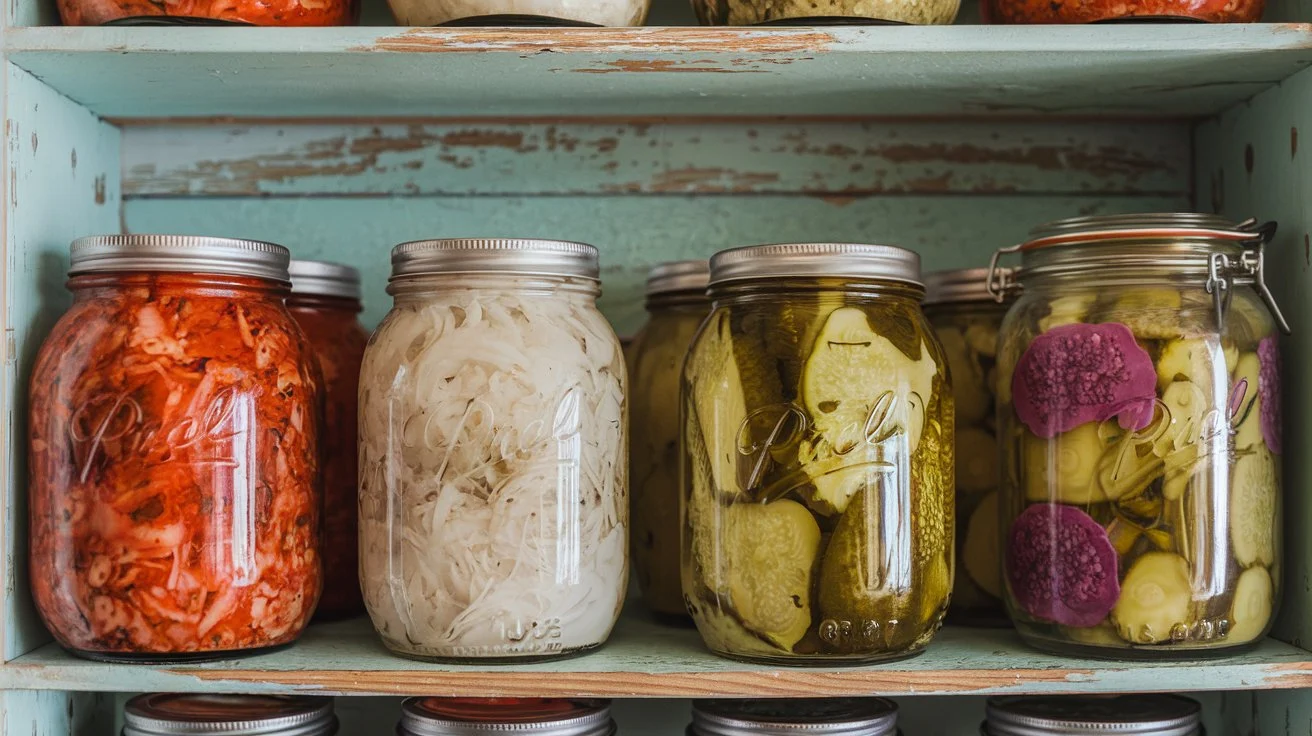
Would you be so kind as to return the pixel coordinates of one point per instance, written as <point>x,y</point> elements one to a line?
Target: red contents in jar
<point>255,12</point>
<point>1089,11</point>
<point>175,505</point>
<point>338,340</point>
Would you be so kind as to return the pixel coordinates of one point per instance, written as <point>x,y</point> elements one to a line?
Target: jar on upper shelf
<point>817,447</point>
<point>208,13</point>
<point>493,459</point>
<point>520,12</point>
<point>677,304</point>
<point>202,714</point>
<point>1139,411</point>
<point>174,458</point>
<point>828,12</point>
<point>325,301</point>
<point>966,318</point>
<point>1052,12</point>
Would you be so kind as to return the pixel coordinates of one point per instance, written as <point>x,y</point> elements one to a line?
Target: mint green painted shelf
<point>369,72</point>
<point>645,658</point>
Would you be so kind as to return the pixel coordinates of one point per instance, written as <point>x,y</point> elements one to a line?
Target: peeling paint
<point>533,41</point>
<point>100,189</point>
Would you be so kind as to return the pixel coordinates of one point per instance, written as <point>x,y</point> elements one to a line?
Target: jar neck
<point>420,288</point>
<point>970,307</point>
<point>748,290</point>
<point>192,285</point>
<point>323,303</point>
<point>692,301</point>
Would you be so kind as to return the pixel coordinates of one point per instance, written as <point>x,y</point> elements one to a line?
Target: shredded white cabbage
<point>603,13</point>
<point>493,498</point>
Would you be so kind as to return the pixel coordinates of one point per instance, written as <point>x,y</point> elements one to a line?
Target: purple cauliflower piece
<point>1062,566</point>
<point>1078,373</point>
<point>1268,392</point>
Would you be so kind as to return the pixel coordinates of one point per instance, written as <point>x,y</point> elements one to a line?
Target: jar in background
<point>1098,715</point>
<point>520,12</point>
<point>677,304</point>
<point>505,717</point>
<point>826,12</point>
<point>780,717</point>
<point>197,714</point>
<point>818,467</point>
<point>1139,410</point>
<point>966,320</point>
<point>174,459</point>
<point>493,458</point>
<point>325,301</point>
<point>205,13</point>
<point>1048,12</point>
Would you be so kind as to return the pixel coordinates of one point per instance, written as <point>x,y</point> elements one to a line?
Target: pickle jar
<point>1071,715</point>
<point>1139,411</point>
<point>817,458</point>
<point>966,318</point>
<point>325,301</point>
<point>198,714</point>
<point>493,460</point>
<point>174,454</point>
<point>780,717</point>
<point>677,304</point>
<point>505,717</point>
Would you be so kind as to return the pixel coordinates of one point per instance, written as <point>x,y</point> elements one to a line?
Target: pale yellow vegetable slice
<point>977,460</point>
<point>1155,596</point>
<point>1251,611</point>
<point>770,552</point>
<point>981,554</point>
<point>1253,502</point>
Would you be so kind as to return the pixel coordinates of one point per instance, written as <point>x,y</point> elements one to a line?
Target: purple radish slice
<point>1061,566</point>
<point>1268,391</point>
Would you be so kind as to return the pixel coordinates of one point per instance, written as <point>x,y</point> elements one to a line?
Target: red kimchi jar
<point>209,13</point>
<point>175,502</point>
<point>325,300</point>
<point>1052,12</point>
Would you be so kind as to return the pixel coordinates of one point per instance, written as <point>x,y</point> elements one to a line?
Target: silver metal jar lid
<point>958,285</point>
<point>1139,715</point>
<point>181,714</point>
<point>674,276</point>
<point>484,255</point>
<point>178,254</point>
<point>324,278</point>
<point>778,717</point>
<point>518,716</point>
<point>838,260</point>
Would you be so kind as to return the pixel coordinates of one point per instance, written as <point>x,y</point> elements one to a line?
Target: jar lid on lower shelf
<point>179,714</point>
<point>494,716</point>
<point>1140,715</point>
<point>773,717</point>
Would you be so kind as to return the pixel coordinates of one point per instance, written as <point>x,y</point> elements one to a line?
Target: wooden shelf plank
<point>372,72</point>
<point>645,658</point>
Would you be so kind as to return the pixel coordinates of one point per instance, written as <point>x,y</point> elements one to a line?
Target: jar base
<point>822,660</point>
<point>1133,651</point>
<point>515,20</point>
<point>175,657</point>
<point>494,660</point>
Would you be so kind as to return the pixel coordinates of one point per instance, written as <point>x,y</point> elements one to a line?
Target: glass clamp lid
<point>960,285</point>
<point>518,716</point>
<point>190,254</point>
<point>817,260</point>
<point>778,717</point>
<point>324,278</point>
<point>1224,254</point>
<point>178,714</point>
<point>1101,715</point>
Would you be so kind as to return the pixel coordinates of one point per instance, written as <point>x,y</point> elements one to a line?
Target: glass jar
<point>826,12</point>
<point>174,467</point>
<point>1139,410</point>
<point>1069,715</point>
<point>677,303</point>
<point>493,473</point>
<point>817,474</point>
<point>207,13</point>
<point>505,717</point>
<point>1048,12</point>
<point>197,714</point>
<point>780,717</point>
<point>520,12</point>
<point>325,301</point>
<point>966,320</point>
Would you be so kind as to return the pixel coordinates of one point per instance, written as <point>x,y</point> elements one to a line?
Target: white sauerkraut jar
<point>493,480</point>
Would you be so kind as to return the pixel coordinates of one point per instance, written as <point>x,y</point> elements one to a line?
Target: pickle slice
<point>723,633</point>
<point>977,460</point>
<point>969,391</point>
<point>770,552</point>
<point>717,401</point>
<point>1066,310</point>
<point>1253,508</point>
<point>855,584</point>
<point>1192,359</point>
<point>1064,469</point>
<point>1151,313</point>
<point>1155,596</point>
<point>1251,610</point>
<point>982,553</point>
<point>983,338</point>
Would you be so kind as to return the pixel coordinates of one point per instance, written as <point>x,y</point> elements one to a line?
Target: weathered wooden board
<point>1253,162</point>
<point>646,659</point>
<point>1102,70</point>
<point>746,157</point>
<point>633,233</point>
<point>60,181</point>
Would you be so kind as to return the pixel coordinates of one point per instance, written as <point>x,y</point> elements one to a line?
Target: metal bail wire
<point>1218,285</point>
<point>1000,281</point>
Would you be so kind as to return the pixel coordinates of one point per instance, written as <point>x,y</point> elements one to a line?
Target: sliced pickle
<point>983,338</point>
<point>1184,403</point>
<point>977,460</point>
<point>982,554</point>
<point>1066,310</point>
<point>770,552</point>
<point>1151,313</point>
<point>1248,413</point>
<point>1192,359</point>
<point>855,581</point>
<point>1064,468</point>
<point>1253,508</point>
<point>1155,596</point>
<point>723,633</point>
<point>1251,610</point>
<point>969,390</point>
<point>718,401</point>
